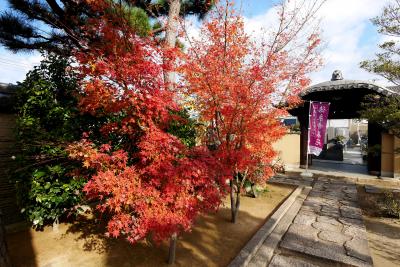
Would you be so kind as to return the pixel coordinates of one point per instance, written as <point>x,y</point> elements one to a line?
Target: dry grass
<point>383,233</point>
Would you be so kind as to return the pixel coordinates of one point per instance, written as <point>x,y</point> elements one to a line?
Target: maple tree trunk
<point>172,23</point>
<point>235,202</point>
<point>171,33</point>
<point>172,249</point>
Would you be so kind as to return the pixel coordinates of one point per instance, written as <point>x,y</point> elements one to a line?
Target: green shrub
<point>391,205</point>
<point>50,194</point>
<point>48,120</point>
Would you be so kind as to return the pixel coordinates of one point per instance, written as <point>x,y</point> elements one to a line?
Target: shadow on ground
<point>214,241</point>
<point>20,247</point>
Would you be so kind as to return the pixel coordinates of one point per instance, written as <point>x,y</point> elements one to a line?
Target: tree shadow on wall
<point>20,248</point>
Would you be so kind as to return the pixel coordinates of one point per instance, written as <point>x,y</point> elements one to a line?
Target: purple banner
<point>318,117</point>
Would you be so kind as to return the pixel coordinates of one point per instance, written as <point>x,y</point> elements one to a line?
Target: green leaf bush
<point>48,184</point>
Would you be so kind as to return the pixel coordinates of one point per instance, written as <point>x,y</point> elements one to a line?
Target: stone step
<point>250,249</point>
<point>329,227</point>
<point>265,253</point>
<point>372,189</point>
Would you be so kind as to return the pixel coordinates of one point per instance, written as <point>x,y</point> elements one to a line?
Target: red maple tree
<point>238,86</point>
<point>145,178</point>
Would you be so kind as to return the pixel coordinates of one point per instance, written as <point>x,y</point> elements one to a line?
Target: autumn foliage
<point>239,87</point>
<point>146,179</point>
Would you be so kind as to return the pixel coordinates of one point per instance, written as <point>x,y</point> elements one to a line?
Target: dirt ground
<point>214,241</point>
<point>383,233</point>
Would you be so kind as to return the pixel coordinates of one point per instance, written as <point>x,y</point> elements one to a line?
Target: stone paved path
<point>329,227</point>
<point>291,180</point>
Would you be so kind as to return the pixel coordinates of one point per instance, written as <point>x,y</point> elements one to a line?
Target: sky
<point>347,33</point>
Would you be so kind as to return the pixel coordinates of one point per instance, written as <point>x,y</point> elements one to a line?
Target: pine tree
<point>386,63</point>
<point>43,25</point>
<point>56,26</point>
<point>385,111</point>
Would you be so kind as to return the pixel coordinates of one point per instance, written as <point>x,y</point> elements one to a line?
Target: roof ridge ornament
<point>337,75</point>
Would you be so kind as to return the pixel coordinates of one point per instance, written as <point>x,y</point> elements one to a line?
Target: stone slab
<point>358,248</point>
<point>305,218</point>
<point>324,226</point>
<point>334,237</point>
<point>338,232</point>
<point>252,246</point>
<point>351,212</point>
<point>327,219</point>
<point>285,261</point>
<point>266,251</point>
<point>291,180</point>
<point>372,189</point>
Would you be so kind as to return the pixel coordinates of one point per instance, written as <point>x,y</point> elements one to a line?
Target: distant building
<point>7,92</point>
<point>353,129</point>
<point>289,121</point>
<point>345,98</point>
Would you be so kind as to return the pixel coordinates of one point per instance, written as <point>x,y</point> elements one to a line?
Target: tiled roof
<point>7,97</point>
<point>352,84</point>
<point>395,88</point>
<point>7,88</point>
